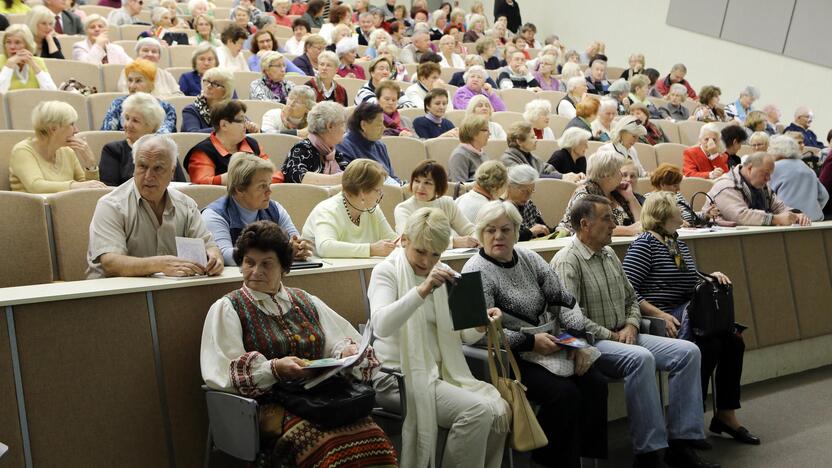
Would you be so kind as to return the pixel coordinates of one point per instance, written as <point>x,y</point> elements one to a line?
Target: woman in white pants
<point>414,333</point>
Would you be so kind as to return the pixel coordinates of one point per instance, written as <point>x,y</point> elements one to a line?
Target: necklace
<point>347,205</point>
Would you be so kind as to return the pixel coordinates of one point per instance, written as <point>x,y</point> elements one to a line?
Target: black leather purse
<point>711,310</point>
<point>335,402</point>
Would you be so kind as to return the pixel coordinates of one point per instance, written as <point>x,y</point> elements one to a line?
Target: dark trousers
<point>725,353</point>
<point>573,414</point>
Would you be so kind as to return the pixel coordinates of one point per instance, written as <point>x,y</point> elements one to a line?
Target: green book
<point>467,302</point>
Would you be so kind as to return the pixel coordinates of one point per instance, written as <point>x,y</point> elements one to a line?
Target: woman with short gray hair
<point>537,113</point>
<point>291,119</point>
<point>475,85</point>
<point>315,160</point>
<point>675,109</point>
<point>575,90</point>
<point>271,86</point>
<point>793,181</point>
<point>521,143</point>
<point>203,59</point>
<point>521,182</point>
<point>141,114</point>
<point>571,157</point>
<point>625,134</point>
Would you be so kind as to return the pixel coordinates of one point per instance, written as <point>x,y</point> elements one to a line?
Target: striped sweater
<point>654,275</point>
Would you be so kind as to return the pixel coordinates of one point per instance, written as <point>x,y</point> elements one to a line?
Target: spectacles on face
<point>758,145</point>
<point>213,84</point>
<point>485,130</point>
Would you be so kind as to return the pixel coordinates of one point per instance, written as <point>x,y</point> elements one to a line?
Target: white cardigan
<point>334,235</point>
<point>459,223</point>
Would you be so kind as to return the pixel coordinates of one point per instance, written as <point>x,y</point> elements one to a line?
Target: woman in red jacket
<point>706,160</point>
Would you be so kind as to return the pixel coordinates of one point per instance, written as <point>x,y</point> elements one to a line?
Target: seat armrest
<point>234,423</point>
<point>402,388</point>
<point>653,326</point>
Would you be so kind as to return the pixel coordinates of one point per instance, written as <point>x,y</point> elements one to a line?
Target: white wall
<point>628,26</point>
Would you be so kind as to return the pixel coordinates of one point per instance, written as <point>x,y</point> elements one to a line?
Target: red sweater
<point>663,87</point>
<point>697,164</point>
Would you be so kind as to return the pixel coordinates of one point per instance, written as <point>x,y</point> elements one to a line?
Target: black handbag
<point>711,310</point>
<point>335,402</point>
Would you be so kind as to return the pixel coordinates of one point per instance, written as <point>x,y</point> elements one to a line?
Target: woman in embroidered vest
<point>263,333</point>
<point>217,86</point>
<point>140,75</point>
<point>414,333</point>
<point>20,68</point>
<point>249,187</point>
<point>272,86</point>
<point>324,85</point>
<point>207,162</point>
<point>315,160</point>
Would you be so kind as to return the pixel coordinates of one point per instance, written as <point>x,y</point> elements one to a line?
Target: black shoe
<point>648,460</point>
<point>740,434</point>
<point>683,456</point>
<point>700,444</point>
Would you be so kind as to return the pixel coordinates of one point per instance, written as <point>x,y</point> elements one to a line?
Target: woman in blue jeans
<point>663,273</point>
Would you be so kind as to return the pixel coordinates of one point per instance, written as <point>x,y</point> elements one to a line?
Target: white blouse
<point>238,63</point>
<point>459,223</point>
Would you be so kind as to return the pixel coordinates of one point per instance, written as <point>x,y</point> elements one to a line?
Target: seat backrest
<point>234,424</point>
<point>281,31</point>
<point>130,32</point>
<point>558,124</point>
<point>455,116</point>
<point>177,72</point>
<point>96,139</point>
<point>551,197</point>
<point>71,216</point>
<point>643,186</point>
<point>25,237</point>
<point>393,195</point>
<point>179,103</point>
<point>256,109</point>
<point>242,83</point>
<point>691,185</point>
<point>180,55</point>
<point>9,138</point>
<point>495,149</point>
<point>412,112</point>
<point>184,142</point>
<point>505,119</point>
<point>670,129</point>
<point>689,131</point>
<point>114,32</point>
<point>439,149</point>
<point>203,195</point>
<point>448,72</point>
<point>670,153</point>
<point>351,85</point>
<point>405,154</point>
<point>299,200</point>
<point>111,73</point>
<point>592,147</point>
<point>276,145</point>
<point>297,79</point>
<point>545,149</point>
<point>62,70</point>
<point>103,11</point>
<point>516,98</point>
<point>647,156</point>
<point>614,73</point>
<point>98,105</point>
<point>67,42</point>
<point>21,102</point>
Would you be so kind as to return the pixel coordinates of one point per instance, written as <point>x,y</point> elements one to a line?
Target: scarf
<point>278,89</point>
<point>393,123</point>
<point>421,372</point>
<point>671,241</point>
<point>327,153</point>
<point>202,107</point>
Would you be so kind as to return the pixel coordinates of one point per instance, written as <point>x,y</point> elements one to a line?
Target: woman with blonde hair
<point>291,119</point>
<point>217,86</point>
<point>97,48</point>
<point>470,154</point>
<point>636,66</point>
<point>21,69</point>
<point>41,22</point>
<point>272,85</point>
<point>204,28</point>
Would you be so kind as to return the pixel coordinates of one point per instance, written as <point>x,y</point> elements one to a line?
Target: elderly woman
<point>347,51</point>
<point>398,71</point>
<point>291,119</point>
<point>312,47</point>
<point>537,113</point>
<point>570,70</point>
<point>339,33</point>
<point>204,29</point>
<point>668,178</point>
<point>545,74</point>
<point>427,79</point>
<point>376,38</point>
<point>476,28</point>
<point>446,51</point>
<point>300,29</point>
<point>281,12</point>
<point>603,178</point>
<point>710,110</point>
<point>242,17</point>
<point>338,15</point>
<point>625,134</point>
<point>248,345</point>
<point>141,114</point>
<point>54,160</point>
<point>636,67</point>
<point>207,162</point>
<point>486,47</point>
<point>521,182</point>
<point>663,274</point>
<point>602,125</point>
<point>315,160</point>
<point>706,160</point>
<point>379,71</point>
<point>230,53</point>
<point>434,124</point>
<point>412,322</point>
<point>740,108</point>
<point>467,157</point>
<point>20,68</point>
<point>162,20</point>
<point>654,135</point>
<point>363,139</point>
<point>350,223</point>
<point>575,91</point>
<point>480,105</point>
<point>794,182</point>
<point>429,183</point>
<point>521,142</point>
<point>41,22</point>
<point>629,176</point>
<point>759,141</point>
<point>585,113</point>
<point>475,85</point>
<point>97,48</point>
<point>571,157</point>
<point>139,75</point>
<point>489,184</point>
<point>324,84</point>
<point>203,59</point>
<point>639,89</point>
<point>249,181</point>
<point>675,109</point>
<point>314,16</point>
<point>271,86</point>
<point>164,84</point>
<point>571,395</point>
<point>217,86</point>
<point>387,95</point>
<point>755,121</point>
<point>619,91</point>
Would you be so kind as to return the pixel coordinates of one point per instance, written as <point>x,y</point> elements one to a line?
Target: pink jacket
<point>464,94</point>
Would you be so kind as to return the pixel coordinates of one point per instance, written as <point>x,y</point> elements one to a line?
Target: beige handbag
<point>526,433</point>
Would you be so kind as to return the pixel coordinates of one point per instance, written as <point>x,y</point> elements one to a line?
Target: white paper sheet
<point>192,250</point>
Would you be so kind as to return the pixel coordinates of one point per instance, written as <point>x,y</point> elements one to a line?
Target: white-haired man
<point>134,229</point>
<point>803,117</point>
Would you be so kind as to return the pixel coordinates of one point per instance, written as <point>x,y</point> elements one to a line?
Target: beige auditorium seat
<point>21,102</point>
<point>614,73</point>
<point>68,41</point>
<point>180,55</point>
<point>352,85</point>
<point>3,123</point>
<point>448,72</point>
<point>222,12</point>
<point>179,103</point>
<point>670,129</point>
<point>110,74</point>
<point>455,116</point>
<point>493,74</point>
<point>203,195</point>
<point>405,154</point>
<point>558,124</point>
<point>98,138</point>
<point>130,32</point>
<point>393,195</point>
<point>516,99</point>
<point>689,131</point>
<point>62,70</point>
<point>9,138</point>
<point>297,79</point>
<point>299,200</point>
<point>691,104</point>
<point>104,11</point>
<point>495,149</point>
<point>658,102</point>
<point>745,149</point>
<point>25,237</point>
<point>98,105</point>
<point>242,83</point>
<point>691,185</point>
<point>643,186</point>
<point>177,72</point>
<point>670,153</point>
<point>451,89</point>
<point>647,156</point>
<point>276,145</point>
<point>592,147</point>
<point>440,149</point>
<point>412,112</point>
<point>506,118</point>
<point>545,149</point>
<point>220,25</point>
<point>184,142</point>
<point>16,18</point>
<point>114,32</point>
<point>411,68</point>
<point>365,65</point>
<point>551,197</point>
<point>71,216</point>
<point>282,32</point>
<point>256,109</point>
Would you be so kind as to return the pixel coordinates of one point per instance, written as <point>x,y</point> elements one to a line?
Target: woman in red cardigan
<point>706,160</point>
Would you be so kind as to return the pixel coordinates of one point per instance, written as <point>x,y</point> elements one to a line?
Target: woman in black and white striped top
<point>663,274</point>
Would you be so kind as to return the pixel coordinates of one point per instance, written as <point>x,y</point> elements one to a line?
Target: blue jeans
<point>637,365</point>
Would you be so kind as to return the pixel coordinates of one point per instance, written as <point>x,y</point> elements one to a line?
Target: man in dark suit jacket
<point>70,23</point>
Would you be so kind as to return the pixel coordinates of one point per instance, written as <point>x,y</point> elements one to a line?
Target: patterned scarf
<point>202,107</point>
<point>328,152</point>
<point>278,89</point>
<point>392,123</point>
<point>671,241</point>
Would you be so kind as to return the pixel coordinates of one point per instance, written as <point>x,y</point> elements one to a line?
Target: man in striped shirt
<point>591,271</point>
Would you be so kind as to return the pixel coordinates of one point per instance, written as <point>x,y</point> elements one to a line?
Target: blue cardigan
<point>355,146</point>
<point>112,119</point>
<point>190,83</point>
<point>426,128</point>
<point>193,122</point>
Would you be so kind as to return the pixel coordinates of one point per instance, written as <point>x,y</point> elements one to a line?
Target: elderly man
<point>366,26</point>
<point>742,106</point>
<point>803,117</point>
<point>596,80</point>
<point>412,53</point>
<point>676,75</point>
<point>773,114</point>
<point>744,197</point>
<point>66,22</point>
<point>793,181</point>
<point>134,229</point>
<point>516,74</point>
<point>127,14</point>
<point>593,274</point>
<point>165,85</point>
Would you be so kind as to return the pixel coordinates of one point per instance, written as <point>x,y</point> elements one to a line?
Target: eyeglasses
<point>486,130</point>
<point>758,145</point>
<point>213,84</point>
